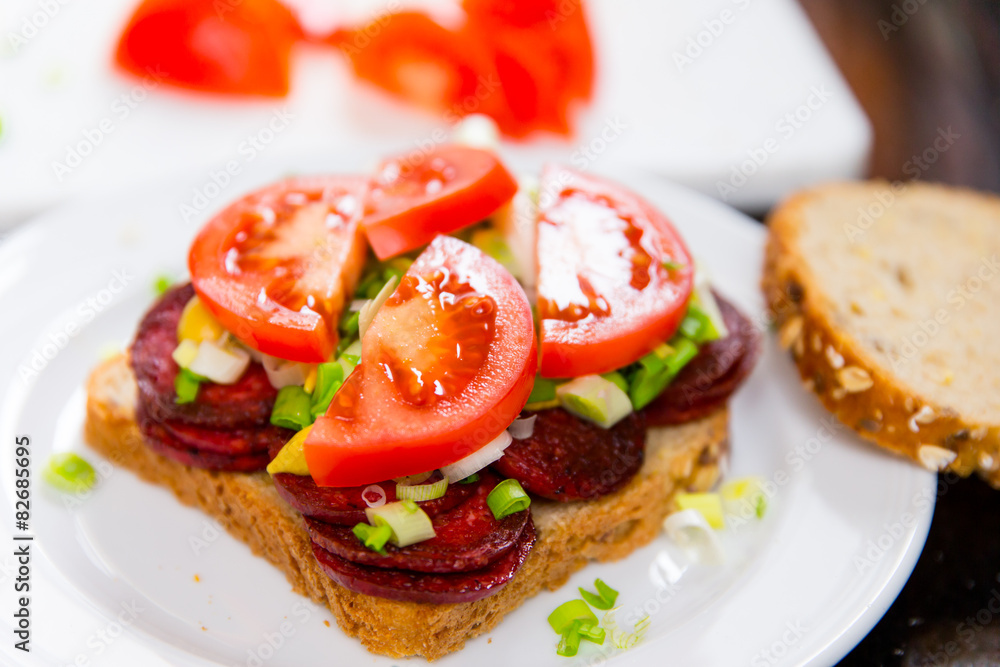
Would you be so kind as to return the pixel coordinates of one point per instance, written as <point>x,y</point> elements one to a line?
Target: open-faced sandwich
<point>408,437</point>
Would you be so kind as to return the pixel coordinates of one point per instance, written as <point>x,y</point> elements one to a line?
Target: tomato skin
<point>370,434</point>
<point>399,213</point>
<point>604,297</point>
<point>542,52</point>
<point>327,269</point>
<point>234,48</point>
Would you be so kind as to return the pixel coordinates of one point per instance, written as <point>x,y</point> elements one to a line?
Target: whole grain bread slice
<point>686,457</point>
<point>888,297</point>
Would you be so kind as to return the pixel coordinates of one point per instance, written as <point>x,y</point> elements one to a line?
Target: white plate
<point>803,586</point>
<point>722,119</point>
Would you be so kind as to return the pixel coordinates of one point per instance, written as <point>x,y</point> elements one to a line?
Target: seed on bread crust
<point>790,331</point>
<point>935,458</point>
<point>923,416</point>
<point>854,379</point>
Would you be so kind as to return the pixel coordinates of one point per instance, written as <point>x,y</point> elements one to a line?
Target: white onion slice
<point>374,488</point>
<point>410,480</point>
<point>282,373</point>
<point>478,459</point>
<point>357,305</point>
<point>371,307</point>
<point>691,532</point>
<point>520,429</point>
<point>223,365</point>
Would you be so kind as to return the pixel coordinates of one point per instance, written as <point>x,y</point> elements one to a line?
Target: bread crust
<point>686,457</point>
<point>838,369</point>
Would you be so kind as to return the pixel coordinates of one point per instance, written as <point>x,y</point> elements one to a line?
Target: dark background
<point>918,67</point>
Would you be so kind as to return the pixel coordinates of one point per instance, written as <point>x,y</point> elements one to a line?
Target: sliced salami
<point>567,458</point>
<point>345,506</point>
<point>708,381</point>
<point>246,403</point>
<point>408,586</point>
<point>468,537</point>
<point>232,442</point>
<point>159,439</point>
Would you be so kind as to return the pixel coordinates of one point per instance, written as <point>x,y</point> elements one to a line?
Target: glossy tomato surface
<point>276,267</point>
<point>224,47</point>
<point>543,57</point>
<point>614,276</point>
<point>447,364</point>
<point>413,57</point>
<point>418,195</point>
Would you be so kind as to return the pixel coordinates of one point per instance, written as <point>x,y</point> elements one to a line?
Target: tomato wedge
<point>411,56</point>
<point>275,266</point>
<point>415,197</point>
<point>614,277</point>
<point>543,56</point>
<point>446,365</point>
<point>238,47</point>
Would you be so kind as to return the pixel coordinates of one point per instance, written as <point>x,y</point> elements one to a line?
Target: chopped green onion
<point>698,326</point>
<point>617,378</point>
<point>595,399</point>
<point>329,377</point>
<point>671,265</point>
<point>409,505</point>
<point>492,242</point>
<point>563,617</point>
<point>162,284</point>
<point>292,408</point>
<point>684,351</point>
<point>542,391</point>
<point>422,492</point>
<point>373,537</point>
<point>370,285</point>
<point>186,386</point>
<point>605,597</point>
<point>474,477</point>
<point>708,504</point>
<point>408,522</point>
<point>569,643</point>
<point>738,494</point>
<point>69,472</point>
<point>349,324</point>
<point>507,498</point>
<point>592,633</point>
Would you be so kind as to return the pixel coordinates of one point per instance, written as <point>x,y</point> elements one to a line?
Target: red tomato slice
<point>275,267</point>
<point>446,365</point>
<point>605,297</point>
<point>415,58</point>
<point>231,47</point>
<point>543,56</point>
<point>415,197</point>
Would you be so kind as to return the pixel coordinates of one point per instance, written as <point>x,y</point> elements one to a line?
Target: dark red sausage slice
<point>159,440</point>
<point>344,506</point>
<point>567,458</point>
<point>710,379</point>
<point>232,442</point>
<point>248,402</point>
<point>468,537</point>
<point>408,586</point>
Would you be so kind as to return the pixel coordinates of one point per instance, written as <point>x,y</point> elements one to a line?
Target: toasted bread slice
<point>684,457</point>
<point>888,297</point>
